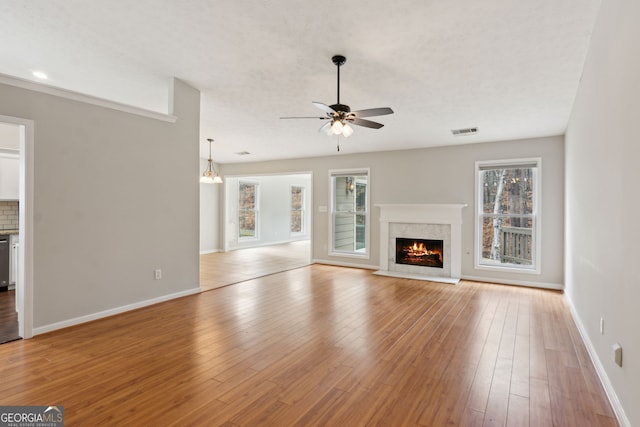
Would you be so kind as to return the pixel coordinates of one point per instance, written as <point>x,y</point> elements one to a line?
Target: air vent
<point>465,131</point>
<point>243,153</point>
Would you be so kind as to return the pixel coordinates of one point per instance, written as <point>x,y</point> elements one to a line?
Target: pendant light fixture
<point>210,176</point>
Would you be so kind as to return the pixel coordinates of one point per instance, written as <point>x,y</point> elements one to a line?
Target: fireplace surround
<point>421,222</point>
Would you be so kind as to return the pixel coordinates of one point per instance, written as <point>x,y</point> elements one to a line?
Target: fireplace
<point>422,252</point>
<point>421,224</point>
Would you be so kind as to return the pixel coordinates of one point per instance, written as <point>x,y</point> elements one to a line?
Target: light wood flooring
<point>225,268</point>
<point>319,345</point>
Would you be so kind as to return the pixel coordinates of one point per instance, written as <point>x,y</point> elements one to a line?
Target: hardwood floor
<point>319,345</point>
<point>8,317</point>
<point>225,268</point>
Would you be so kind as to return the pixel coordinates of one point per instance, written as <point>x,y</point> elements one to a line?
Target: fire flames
<point>419,249</point>
<point>426,253</point>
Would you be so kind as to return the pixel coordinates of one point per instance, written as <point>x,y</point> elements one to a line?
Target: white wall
<point>209,214</point>
<point>275,209</point>
<point>115,197</point>
<point>9,161</point>
<point>602,178</point>
<point>9,176</point>
<point>9,136</point>
<point>436,175</point>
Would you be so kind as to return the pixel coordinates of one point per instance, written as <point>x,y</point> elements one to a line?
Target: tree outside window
<point>247,210</point>
<point>297,209</point>
<point>507,214</point>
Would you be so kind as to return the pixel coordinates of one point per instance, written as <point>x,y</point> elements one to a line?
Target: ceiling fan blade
<point>326,128</point>
<point>373,112</point>
<point>365,123</point>
<point>314,117</point>
<point>324,107</point>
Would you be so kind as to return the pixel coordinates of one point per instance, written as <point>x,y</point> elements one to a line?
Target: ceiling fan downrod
<point>338,60</point>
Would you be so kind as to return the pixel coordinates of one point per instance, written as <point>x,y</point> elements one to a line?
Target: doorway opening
<point>261,225</point>
<point>16,223</point>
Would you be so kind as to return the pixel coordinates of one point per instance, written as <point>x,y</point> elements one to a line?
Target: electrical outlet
<point>158,274</point>
<point>602,326</point>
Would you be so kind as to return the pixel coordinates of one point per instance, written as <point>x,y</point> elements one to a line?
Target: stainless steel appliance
<point>14,243</point>
<point>4,263</point>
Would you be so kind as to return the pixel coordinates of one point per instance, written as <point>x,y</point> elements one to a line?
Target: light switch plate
<point>617,354</point>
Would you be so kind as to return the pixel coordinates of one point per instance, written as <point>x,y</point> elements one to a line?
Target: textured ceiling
<point>511,68</point>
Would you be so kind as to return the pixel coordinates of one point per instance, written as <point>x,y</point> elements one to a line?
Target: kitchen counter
<point>5,232</point>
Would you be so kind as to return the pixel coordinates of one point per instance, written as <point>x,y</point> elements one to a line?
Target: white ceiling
<point>509,67</point>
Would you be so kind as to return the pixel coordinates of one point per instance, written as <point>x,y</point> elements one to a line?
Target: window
<point>508,227</point>
<point>297,209</point>
<point>350,213</point>
<point>247,210</point>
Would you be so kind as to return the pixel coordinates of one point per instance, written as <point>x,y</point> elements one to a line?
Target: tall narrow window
<point>297,209</point>
<point>350,213</point>
<point>248,210</point>
<point>508,225</point>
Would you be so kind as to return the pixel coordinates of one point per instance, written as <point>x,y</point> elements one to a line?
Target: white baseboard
<point>258,244</point>
<point>602,374</point>
<point>113,311</point>
<point>554,286</point>
<point>542,285</point>
<point>402,275</point>
<point>345,264</point>
<point>209,251</point>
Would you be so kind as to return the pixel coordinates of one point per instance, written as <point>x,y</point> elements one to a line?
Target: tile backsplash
<point>8,215</point>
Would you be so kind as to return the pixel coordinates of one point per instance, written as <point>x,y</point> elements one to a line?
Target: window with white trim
<point>297,209</point>
<point>350,213</point>
<point>507,220</point>
<point>248,212</point>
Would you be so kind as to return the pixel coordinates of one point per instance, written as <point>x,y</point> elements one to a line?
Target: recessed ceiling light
<point>40,75</point>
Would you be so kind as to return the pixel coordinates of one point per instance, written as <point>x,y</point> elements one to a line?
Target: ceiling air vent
<point>465,131</point>
<point>243,153</point>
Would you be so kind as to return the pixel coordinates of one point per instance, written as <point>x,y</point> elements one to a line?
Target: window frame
<point>536,215</point>
<point>303,192</point>
<point>256,210</point>
<point>336,173</point>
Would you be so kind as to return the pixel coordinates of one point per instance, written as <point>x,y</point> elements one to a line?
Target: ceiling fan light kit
<point>340,115</point>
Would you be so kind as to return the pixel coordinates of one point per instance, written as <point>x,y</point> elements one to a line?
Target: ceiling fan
<point>340,117</point>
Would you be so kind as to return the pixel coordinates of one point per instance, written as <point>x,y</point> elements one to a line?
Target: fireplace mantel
<point>448,214</point>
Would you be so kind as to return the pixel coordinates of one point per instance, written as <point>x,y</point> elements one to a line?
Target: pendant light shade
<point>210,176</point>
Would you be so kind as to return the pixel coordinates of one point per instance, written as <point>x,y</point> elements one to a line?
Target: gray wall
<point>115,197</point>
<point>445,175</point>
<point>602,178</point>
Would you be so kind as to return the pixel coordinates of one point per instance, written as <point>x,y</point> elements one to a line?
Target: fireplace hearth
<point>421,223</point>
<point>421,252</point>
